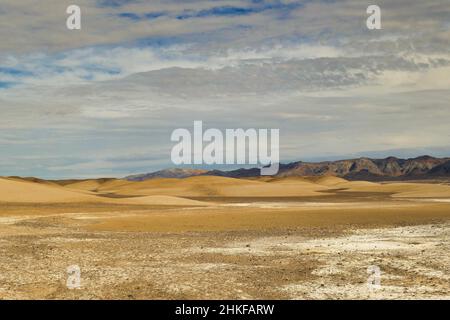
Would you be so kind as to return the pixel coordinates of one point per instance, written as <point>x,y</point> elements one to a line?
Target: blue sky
<point>103,101</point>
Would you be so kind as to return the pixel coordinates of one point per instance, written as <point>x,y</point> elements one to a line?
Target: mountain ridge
<point>370,169</point>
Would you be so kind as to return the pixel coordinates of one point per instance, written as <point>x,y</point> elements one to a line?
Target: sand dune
<point>90,184</point>
<point>33,180</point>
<point>23,191</point>
<point>422,190</point>
<point>162,200</point>
<point>172,191</point>
<point>208,186</point>
<point>16,191</point>
<point>116,229</point>
<point>190,187</point>
<point>400,189</point>
<point>329,181</point>
<point>358,185</point>
<point>292,180</point>
<point>87,185</point>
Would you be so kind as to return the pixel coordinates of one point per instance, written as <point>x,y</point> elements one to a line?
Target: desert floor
<point>223,238</point>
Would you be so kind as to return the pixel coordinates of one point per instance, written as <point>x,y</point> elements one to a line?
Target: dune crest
<point>23,191</point>
<point>162,200</point>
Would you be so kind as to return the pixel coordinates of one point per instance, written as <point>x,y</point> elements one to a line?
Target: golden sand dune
<point>422,190</point>
<point>193,187</point>
<point>172,191</point>
<point>357,185</point>
<point>397,189</point>
<point>329,181</point>
<point>16,191</point>
<point>90,184</point>
<point>212,186</point>
<point>162,200</point>
<point>400,189</point>
<point>86,185</point>
<point>33,180</point>
<point>24,191</point>
<point>207,186</point>
<point>115,229</point>
<point>287,180</point>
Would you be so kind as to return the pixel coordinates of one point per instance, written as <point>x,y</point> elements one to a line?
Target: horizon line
<point>193,167</point>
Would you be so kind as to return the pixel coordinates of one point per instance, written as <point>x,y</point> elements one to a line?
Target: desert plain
<point>210,237</point>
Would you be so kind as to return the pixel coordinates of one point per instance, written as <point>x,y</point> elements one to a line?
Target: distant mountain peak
<point>167,173</point>
<point>363,168</point>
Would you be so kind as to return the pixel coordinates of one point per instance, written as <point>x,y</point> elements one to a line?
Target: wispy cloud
<point>115,3</point>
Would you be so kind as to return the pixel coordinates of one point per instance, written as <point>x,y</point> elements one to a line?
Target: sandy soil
<point>138,243</point>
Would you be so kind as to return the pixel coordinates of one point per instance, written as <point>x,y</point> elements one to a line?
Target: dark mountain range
<point>168,173</point>
<point>424,167</point>
<point>441,170</point>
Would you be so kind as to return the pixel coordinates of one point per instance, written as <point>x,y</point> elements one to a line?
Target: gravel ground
<point>298,263</point>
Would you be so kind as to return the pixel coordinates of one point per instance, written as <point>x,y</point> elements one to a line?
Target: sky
<point>104,100</point>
